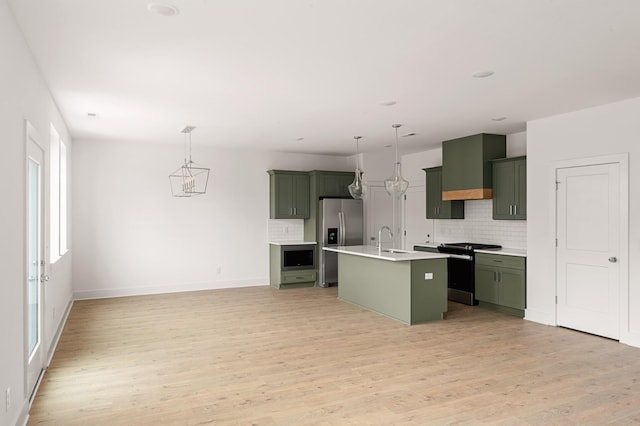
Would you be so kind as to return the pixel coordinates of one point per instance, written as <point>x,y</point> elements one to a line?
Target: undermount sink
<point>396,251</point>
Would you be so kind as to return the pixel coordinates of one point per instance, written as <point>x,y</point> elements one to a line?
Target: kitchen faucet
<point>380,237</point>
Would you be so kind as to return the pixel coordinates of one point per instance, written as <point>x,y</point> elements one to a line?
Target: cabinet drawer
<point>514,262</point>
<point>303,276</point>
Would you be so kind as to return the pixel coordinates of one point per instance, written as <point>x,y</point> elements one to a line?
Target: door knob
<point>613,259</point>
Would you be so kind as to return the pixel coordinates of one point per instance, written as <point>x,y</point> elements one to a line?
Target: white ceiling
<point>264,73</point>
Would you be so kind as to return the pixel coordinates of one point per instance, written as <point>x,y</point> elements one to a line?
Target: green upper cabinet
<point>324,183</point>
<point>288,194</point>
<point>331,184</point>
<point>466,167</point>
<point>510,189</point>
<point>436,208</point>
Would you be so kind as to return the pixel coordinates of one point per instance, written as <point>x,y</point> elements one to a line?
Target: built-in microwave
<point>298,257</point>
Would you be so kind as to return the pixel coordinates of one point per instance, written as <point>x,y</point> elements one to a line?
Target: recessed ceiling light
<point>388,146</point>
<point>163,9</point>
<point>498,118</point>
<point>408,134</point>
<point>92,115</point>
<point>299,139</point>
<point>388,103</point>
<point>482,74</point>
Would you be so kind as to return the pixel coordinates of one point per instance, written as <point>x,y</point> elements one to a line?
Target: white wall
<point>604,130</point>
<point>132,237</point>
<point>23,95</point>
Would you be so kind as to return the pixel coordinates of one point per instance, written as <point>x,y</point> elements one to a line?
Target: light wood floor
<point>301,357</point>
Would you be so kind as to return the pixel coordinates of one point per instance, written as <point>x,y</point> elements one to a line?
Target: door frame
<point>421,190</point>
<point>31,135</point>
<point>623,161</point>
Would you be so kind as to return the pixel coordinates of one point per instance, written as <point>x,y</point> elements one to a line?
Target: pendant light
<point>189,179</point>
<point>396,185</point>
<point>358,188</point>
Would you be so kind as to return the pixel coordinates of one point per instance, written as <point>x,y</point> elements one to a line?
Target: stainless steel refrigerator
<point>341,223</point>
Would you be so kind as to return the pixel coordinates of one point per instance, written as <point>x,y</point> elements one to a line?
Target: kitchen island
<point>405,285</point>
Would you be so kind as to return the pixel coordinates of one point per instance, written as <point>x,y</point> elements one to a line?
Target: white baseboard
<point>23,418</point>
<point>631,339</point>
<point>142,291</point>
<point>541,317</point>
<point>58,333</point>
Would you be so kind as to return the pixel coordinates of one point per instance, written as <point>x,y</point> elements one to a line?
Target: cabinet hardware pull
<point>515,210</point>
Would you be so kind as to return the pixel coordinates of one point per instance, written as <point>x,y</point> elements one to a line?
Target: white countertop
<point>505,251</point>
<point>292,243</point>
<point>370,251</point>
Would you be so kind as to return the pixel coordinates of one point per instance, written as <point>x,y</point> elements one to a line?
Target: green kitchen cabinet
<point>501,282</point>
<point>466,167</point>
<point>281,279</point>
<point>331,184</point>
<point>324,183</point>
<point>437,208</point>
<point>510,188</point>
<point>288,194</point>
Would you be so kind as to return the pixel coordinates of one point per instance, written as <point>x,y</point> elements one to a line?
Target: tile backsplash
<point>285,230</point>
<point>478,226</point>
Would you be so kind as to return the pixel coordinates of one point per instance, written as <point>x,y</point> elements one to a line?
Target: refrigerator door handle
<point>341,230</point>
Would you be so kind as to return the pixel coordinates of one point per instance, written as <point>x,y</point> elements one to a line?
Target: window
<point>58,241</point>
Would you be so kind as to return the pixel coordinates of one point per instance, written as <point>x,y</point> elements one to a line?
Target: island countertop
<point>393,255</point>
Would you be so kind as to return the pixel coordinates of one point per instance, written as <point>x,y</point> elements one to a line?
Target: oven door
<point>461,280</point>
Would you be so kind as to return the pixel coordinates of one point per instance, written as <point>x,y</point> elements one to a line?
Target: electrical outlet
<point>8,394</point>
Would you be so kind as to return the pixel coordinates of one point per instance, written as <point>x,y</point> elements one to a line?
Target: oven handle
<point>461,256</point>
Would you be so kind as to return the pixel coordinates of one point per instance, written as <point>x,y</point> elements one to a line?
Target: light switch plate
<point>428,275</point>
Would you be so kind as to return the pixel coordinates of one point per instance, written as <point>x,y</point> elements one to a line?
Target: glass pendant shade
<point>189,179</point>
<point>396,185</point>
<point>358,188</point>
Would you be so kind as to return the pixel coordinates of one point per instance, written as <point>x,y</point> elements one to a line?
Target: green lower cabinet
<point>412,292</point>
<point>288,279</point>
<point>486,284</point>
<point>305,277</point>
<point>501,282</point>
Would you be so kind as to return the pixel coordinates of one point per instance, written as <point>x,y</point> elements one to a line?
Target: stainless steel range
<point>460,269</point>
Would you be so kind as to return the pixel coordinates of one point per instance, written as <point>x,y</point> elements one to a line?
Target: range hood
<point>466,166</point>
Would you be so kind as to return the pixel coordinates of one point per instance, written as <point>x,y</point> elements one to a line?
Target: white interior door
<point>588,240</point>
<point>417,228</point>
<point>35,259</point>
